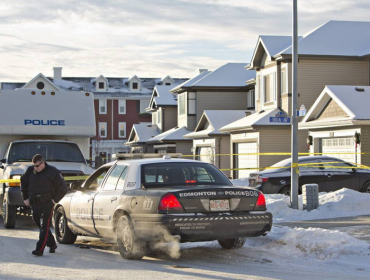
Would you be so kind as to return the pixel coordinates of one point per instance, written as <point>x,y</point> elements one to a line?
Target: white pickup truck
<point>57,125</point>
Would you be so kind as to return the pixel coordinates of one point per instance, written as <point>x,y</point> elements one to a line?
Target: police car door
<point>82,202</point>
<point>107,199</point>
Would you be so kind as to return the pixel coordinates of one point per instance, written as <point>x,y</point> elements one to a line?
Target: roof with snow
<point>228,75</point>
<point>162,96</point>
<point>353,100</point>
<point>143,132</point>
<point>335,38</point>
<point>212,120</point>
<point>174,134</point>
<point>190,82</point>
<point>260,118</point>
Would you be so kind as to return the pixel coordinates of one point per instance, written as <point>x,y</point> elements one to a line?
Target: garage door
<point>335,147</point>
<point>246,161</point>
<point>206,154</point>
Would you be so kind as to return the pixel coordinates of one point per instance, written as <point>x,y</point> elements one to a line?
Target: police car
<point>138,202</point>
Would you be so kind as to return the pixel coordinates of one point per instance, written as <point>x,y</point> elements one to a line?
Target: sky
<point>148,38</point>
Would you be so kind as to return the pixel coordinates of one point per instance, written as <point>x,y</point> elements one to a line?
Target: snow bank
<point>342,203</point>
<point>243,182</point>
<point>312,243</point>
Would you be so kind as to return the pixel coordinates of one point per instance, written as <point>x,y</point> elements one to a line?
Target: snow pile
<point>243,182</point>
<point>310,243</point>
<point>342,203</point>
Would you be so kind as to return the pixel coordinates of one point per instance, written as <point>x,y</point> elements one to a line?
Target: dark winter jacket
<point>49,180</point>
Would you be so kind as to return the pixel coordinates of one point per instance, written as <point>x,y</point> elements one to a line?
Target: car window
<point>121,180</point>
<point>181,173</point>
<point>112,179</point>
<point>94,181</point>
<point>312,165</point>
<point>336,165</point>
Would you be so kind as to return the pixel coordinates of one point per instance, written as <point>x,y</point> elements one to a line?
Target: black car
<point>138,202</point>
<point>331,174</point>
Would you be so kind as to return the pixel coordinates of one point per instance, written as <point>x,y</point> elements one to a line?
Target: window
<point>191,103</point>
<point>122,130</point>
<point>168,84</point>
<point>250,99</point>
<point>94,181</point>
<point>336,165</point>
<point>135,85</point>
<point>312,165</point>
<point>283,82</point>
<point>143,105</point>
<point>269,88</point>
<point>101,85</point>
<point>121,106</point>
<point>121,180</point>
<point>40,85</point>
<point>113,177</point>
<point>181,104</point>
<point>103,130</point>
<point>102,106</point>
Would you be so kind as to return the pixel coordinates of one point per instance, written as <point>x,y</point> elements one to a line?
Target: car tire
<point>63,233</point>
<point>285,191</point>
<point>129,245</point>
<point>366,188</point>
<point>9,213</point>
<point>232,243</point>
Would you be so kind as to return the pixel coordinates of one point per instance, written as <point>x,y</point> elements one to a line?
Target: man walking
<point>42,186</point>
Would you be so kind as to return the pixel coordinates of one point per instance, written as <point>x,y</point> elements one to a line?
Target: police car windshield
<point>158,175</point>
<point>51,151</point>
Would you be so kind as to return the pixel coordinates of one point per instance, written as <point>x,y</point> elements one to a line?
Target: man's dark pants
<point>42,214</point>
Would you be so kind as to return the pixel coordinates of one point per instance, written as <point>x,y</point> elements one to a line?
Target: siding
<point>286,104</point>
<point>332,110</point>
<point>184,147</point>
<point>224,161</point>
<point>365,145</point>
<point>170,118</point>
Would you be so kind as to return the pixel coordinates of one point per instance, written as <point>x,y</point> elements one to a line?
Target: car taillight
<point>261,202</point>
<point>15,184</point>
<point>261,179</point>
<point>169,202</point>
<point>190,181</point>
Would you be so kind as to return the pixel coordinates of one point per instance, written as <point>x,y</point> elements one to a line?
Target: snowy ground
<point>285,253</point>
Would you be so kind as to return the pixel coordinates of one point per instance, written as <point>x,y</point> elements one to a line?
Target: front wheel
<point>285,191</point>
<point>366,188</point>
<point>129,245</point>
<point>232,243</point>
<point>63,233</point>
<point>9,213</point>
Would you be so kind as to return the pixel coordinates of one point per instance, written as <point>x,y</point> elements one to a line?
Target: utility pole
<point>294,124</point>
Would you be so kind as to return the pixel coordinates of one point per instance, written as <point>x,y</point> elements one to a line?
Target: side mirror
<point>75,186</point>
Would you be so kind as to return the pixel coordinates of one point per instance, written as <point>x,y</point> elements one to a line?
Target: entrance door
<point>249,160</point>
<point>343,148</point>
<point>206,154</point>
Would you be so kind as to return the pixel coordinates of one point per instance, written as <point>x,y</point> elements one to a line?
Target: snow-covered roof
<point>164,97</point>
<point>336,38</point>
<point>355,104</point>
<point>117,87</point>
<point>101,76</point>
<point>143,131</point>
<point>228,75</point>
<point>176,133</point>
<point>167,77</point>
<point>182,87</point>
<point>134,77</point>
<point>216,119</point>
<point>260,118</point>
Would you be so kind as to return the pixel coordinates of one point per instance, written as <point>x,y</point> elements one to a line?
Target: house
<point>139,135</point>
<point>119,104</point>
<point>339,123</point>
<point>208,141</point>
<point>335,53</point>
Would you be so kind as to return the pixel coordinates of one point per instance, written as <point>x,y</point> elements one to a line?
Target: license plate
<point>219,205</point>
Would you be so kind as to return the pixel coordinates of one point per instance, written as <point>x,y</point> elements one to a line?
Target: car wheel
<point>9,213</point>
<point>366,188</point>
<point>129,245</point>
<point>232,243</point>
<point>285,191</point>
<point>63,233</point>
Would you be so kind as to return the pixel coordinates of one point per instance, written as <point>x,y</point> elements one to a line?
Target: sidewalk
<point>357,226</point>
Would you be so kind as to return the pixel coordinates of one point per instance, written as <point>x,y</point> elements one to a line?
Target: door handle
<point>90,199</point>
<point>113,198</point>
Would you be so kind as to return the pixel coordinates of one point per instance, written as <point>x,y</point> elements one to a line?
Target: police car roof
<point>156,160</point>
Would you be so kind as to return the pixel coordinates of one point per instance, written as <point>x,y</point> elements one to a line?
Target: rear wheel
<point>285,191</point>
<point>232,243</point>
<point>129,245</point>
<point>9,213</point>
<point>63,233</point>
<point>366,188</point>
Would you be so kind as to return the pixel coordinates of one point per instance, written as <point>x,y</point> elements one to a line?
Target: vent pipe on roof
<point>202,70</point>
<point>359,89</point>
<point>57,73</point>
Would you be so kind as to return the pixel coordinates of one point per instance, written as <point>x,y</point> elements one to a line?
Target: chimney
<point>57,73</point>
<point>202,70</point>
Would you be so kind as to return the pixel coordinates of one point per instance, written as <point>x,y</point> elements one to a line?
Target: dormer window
<point>168,84</point>
<point>101,85</point>
<point>135,85</point>
<point>40,85</point>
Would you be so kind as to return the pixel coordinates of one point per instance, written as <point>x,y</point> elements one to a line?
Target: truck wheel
<point>366,188</point>
<point>232,243</point>
<point>129,245</point>
<point>63,233</point>
<point>9,213</point>
<point>285,191</point>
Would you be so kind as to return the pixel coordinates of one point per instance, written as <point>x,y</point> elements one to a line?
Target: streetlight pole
<point>294,124</point>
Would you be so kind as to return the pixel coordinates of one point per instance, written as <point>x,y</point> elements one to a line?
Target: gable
<point>260,56</point>
<point>332,109</point>
<point>40,82</point>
